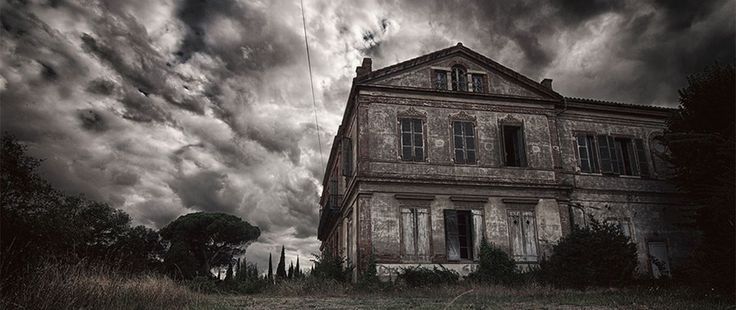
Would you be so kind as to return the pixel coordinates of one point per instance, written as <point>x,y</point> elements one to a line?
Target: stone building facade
<point>438,152</point>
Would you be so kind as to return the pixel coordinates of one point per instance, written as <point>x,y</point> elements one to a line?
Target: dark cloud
<point>163,108</point>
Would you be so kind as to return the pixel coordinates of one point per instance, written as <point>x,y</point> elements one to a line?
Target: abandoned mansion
<point>440,151</point>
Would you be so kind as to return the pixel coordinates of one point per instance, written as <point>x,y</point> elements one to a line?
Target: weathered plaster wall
<point>421,76</point>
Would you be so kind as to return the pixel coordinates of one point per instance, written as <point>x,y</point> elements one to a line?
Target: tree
<point>212,238</point>
<point>40,222</point>
<point>281,269</point>
<point>700,141</point>
<point>297,269</point>
<point>270,268</point>
<point>290,273</point>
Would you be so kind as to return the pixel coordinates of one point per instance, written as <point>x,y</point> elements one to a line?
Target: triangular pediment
<point>422,72</point>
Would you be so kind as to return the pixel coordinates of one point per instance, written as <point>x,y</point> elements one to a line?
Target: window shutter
<point>477,232</point>
<point>530,236</point>
<point>408,226</point>
<point>452,241</point>
<point>583,154</point>
<point>347,157</point>
<point>422,233</point>
<point>616,160</point>
<point>604,150</point>
<point>520,147</point>
<point>642,158</point>
<point>516,235</point>
<point>457,127</point>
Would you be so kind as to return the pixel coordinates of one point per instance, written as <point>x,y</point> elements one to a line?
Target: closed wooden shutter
<point>423,233</point>
<point>530,236</point>
<point>408,225</point>
<point>516,235</point>
<point>642,158</point>
<point>477,232</point>
<point>453,242</point>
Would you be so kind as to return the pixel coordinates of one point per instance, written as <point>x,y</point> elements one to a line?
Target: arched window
<point>459,78</point>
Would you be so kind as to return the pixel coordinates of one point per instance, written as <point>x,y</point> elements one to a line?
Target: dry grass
<point>88,287</point>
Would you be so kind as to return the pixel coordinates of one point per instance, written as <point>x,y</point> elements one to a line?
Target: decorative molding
<point>469,198</point>
<point>533,201</point>
<point>414,196</point>
<point>412,112</point>
<point>510,119</point>
<point>462,116</point>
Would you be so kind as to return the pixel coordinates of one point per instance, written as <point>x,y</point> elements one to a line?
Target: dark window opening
<point>412,140</point>
<point>458,234</point>
<point>440,80</point>
<point>513,146</point>
<point>478,83</point>
<point>464,139</point>
<point>459,78</point>
<point>587,153</point>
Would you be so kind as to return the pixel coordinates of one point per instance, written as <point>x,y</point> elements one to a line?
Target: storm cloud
<point>162,108</point>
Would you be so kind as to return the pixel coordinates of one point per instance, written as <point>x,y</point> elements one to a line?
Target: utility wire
<point>311,83</point>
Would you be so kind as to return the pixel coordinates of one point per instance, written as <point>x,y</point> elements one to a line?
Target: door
<point>659,259</point>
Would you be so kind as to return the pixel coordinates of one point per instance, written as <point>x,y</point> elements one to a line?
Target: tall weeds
<point>84,286</point>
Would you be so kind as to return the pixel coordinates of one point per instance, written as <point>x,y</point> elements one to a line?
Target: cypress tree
<point>297,270</point>
<point>270,268</point>
<point>291,271</point>
<point>281,269</point>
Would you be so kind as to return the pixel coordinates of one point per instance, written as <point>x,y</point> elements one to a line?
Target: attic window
<point>459,78</point>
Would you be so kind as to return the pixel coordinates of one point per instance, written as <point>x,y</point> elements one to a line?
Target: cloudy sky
<point>162,108</point>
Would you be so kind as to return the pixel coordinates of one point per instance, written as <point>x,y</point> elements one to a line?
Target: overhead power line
<point>311,83</point>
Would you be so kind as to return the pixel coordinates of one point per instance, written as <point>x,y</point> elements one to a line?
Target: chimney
<point>364,68</point>
<point>547,83</point>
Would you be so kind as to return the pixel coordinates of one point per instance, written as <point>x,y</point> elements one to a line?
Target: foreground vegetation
<point>83,286</point>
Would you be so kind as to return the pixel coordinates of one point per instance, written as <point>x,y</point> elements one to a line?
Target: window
<point>412,140</point>
<point>347,157</point>
<point>464,137</point>
<point>415,233</point>
<point>459,78</point>
<point>522,231</point>
<point>623,156</point>
<point>623,224</point>
<point>514,152</point>
<point>440,79</point>
<point>458,234</point>
<point>478,83</point>
<point>587,154</point>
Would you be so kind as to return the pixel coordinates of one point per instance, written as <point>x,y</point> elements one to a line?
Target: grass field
<point>494,297</point>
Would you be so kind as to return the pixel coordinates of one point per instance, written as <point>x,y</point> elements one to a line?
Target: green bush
<point>495,266</point>
<point>421,276</point>
<point>597,255</point>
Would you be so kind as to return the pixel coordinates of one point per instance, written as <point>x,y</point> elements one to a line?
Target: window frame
<point>469,244</point>
<point>400,130</point>
<point>593,157</point>
<point>453,137</point>
<point>524,162</point>
<point>459,81</point>
<point>617,222</point>
<point>521,209</point>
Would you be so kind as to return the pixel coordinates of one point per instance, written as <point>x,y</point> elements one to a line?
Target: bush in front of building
<point>331,266</point>
<point>596,255</point>
<point>495,266</point>
<point>422,276</point>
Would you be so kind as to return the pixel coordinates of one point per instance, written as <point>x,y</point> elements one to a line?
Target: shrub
<point>331,266</point>
<point>495,266</point>
<point>597,255</point>
<point>421,276</point>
